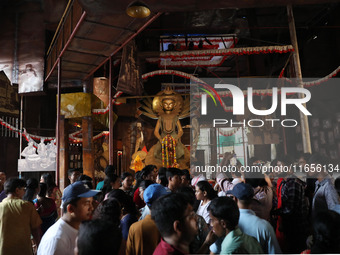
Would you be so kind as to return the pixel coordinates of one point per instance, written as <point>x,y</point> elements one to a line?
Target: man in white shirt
<point>60,238</point>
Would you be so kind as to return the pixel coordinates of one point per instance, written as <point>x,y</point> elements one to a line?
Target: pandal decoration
<point>137,164</point>
<point>169,152</point>
<point>313,83</point>
<point>29,137</point>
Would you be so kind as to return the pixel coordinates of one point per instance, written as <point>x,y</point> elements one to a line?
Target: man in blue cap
<point>77,207</point>
<point>144,235</point>
<point>252,225</point>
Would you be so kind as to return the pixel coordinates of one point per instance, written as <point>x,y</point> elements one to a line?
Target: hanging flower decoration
<point>169,152</point>
<point>73,138</point>
<point>312,83</point>
<point>228,133</point>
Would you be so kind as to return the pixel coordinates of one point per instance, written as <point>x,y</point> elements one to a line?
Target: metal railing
<point>6,132</point>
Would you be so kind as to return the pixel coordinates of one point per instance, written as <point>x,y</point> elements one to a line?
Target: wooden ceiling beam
<point>109,26</point>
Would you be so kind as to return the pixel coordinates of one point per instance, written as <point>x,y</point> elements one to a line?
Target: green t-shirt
<point>17,220</point>
<point>237,242</point>
<point>100,185</point>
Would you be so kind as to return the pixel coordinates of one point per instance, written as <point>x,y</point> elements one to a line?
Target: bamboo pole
<point>303,118</point>
<point>110,114</point>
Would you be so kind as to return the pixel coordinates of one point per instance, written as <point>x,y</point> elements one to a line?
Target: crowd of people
<point>169,211</point>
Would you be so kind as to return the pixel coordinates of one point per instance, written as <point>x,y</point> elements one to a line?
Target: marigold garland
<point>169,151</point>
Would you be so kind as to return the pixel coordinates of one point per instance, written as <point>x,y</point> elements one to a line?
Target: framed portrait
<point>315,123</point>
<point>326,124</point>
<point>322,137</point>
<point>337,116</point>
<point>336,131</point>
<point>315,132</point>
<point>330,137</point>
<point>333,154</point>
<point>323,151</point>
<point>316,145</point>
<point>299,147</point>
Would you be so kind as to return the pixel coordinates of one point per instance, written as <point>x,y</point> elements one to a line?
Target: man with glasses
<point>177,223</point>
<point>18,220</point>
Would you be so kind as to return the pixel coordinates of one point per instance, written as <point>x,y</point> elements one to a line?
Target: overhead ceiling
<point>85,41</point>
<point>108,7</point>
<point>106,27</point>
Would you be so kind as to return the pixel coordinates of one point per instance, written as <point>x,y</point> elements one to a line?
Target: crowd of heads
<point>179,204</point>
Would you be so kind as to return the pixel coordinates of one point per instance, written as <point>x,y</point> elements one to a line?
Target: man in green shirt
<point>18,220</point>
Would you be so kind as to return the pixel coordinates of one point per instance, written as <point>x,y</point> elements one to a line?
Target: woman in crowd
<point>127,181</point>
<point>145,210</point>
<point>147,173</point>
<point>52,190</point>
<point>46,208</point>
<point>205,193</point>
<point>161,177</point>
<point>32,189</point>
<point>111,182</point>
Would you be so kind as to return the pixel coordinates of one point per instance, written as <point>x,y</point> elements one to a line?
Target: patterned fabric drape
<point>129,76</point>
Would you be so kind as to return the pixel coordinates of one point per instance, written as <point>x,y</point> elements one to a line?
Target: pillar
<point>63,153</point>
<point>88,150</point>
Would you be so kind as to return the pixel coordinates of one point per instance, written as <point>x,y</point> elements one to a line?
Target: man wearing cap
<point>252,225</point>
<point>143,235</point>
<point>77,207</point>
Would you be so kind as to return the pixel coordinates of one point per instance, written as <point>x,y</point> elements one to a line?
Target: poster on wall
<point>23,49</point>
<point>30,63</point>
<point>31,77</point>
